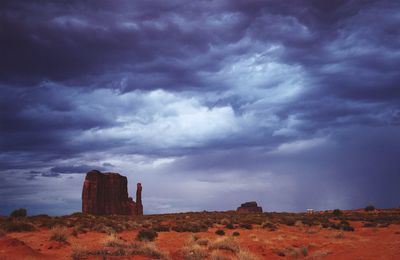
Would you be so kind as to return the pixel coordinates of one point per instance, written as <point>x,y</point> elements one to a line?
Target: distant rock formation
<point>249,207</point>
<point>107,194</point>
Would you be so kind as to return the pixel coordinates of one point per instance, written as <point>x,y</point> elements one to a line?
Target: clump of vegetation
<point>113,241</point>
<point>59,234</point>
<point>369,208</point>
<point>17,226</point>
<point>194,251</point>
<point>161,227</point>
<point>225,243</point>
<point>146,235</point>
<point>337,212</point>
<point>220,232</point>
<point>269,225</point>
<point>202,241</point>
<point>19,213</point>
<point>229,226</point>
<point>246,226</point>
<point>370,224</point>
<point>245,255</point>
<point>235,234</point>
<point>192,227</point>
<point>146,249</point>
<point>218,255</point>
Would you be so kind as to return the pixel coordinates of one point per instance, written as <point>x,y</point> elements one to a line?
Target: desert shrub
<point>17,226</point>
<point>235,234</point>
<point>229,226</point>
<point>369,208</point>
<point>160,228</point>
<point>225,243</point>
<point>220,232</point>
<point>246,226</point>
<point>217,255</point>
<point>202,241</point>
<point>146,249</point>
<point>19,213</point>
<point>146,235</point>
<point>337,212</point>
<point>345,226</point>
<point>113,241</point>
<point>370,224</point>
<point>78,251</point>
<point>225,221</point>
<point>268,225</point>
<point>192,227</point>
<point>246,255</point>
<point>194,251</point>
<point>59,234</point>
<point>288,221</point>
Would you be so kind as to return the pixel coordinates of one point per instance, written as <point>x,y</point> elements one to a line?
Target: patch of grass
<point>146,235</point>
<point>225,243</point>
<point>113,241</point>
<point>194,251</point>
<point>146,249</point>
<point>218,255</point>
<point>246,255</point>
<point>59,234</point>
<point>202,241</point>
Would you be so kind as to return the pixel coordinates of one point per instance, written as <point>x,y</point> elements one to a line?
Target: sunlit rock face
<point>249,207</point>
<point>107,194</point>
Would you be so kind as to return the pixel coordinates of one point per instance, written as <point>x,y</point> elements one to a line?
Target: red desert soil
<point>364,243</point>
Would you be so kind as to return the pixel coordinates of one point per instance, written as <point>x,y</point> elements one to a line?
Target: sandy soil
<point>285,242</point>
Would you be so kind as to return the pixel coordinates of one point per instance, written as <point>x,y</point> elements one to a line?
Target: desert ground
<point>353,234</point>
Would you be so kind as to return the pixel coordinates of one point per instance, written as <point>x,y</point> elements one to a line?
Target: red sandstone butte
<point>249,207</point>
<point>107,194</point>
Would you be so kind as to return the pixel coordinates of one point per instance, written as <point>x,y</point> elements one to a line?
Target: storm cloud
<point>294,104</point>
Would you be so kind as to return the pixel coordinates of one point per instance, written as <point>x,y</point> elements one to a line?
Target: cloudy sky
<point>294,104</point>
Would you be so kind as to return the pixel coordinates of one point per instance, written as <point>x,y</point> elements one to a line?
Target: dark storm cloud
<point>264,90</point>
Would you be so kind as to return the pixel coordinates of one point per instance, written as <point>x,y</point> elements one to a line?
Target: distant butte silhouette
<point>107,194</point>
<point>249,207</point>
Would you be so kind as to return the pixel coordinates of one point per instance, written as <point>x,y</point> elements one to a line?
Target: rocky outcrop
<point>249,207</point>
<point>107,194</point>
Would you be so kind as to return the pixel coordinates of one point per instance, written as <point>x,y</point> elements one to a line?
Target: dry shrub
<point>78,251</point>
<point>19,225</point>
<point>146,235</point>
<point>59,234</point>
<point>146,249</point>
<point>246,255</point>
<point>225,243</point>
<point>202,241</point>
<point>193,252</point>
<point>225,221</point>
<point>113,241</point>
<point>218,255</point>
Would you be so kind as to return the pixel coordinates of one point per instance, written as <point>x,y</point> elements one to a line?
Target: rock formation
<point>249,207</point>
<point>107,194</point>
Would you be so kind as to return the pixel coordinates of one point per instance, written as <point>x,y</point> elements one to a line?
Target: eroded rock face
<point>107,194</point>
<point>249,207</point>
